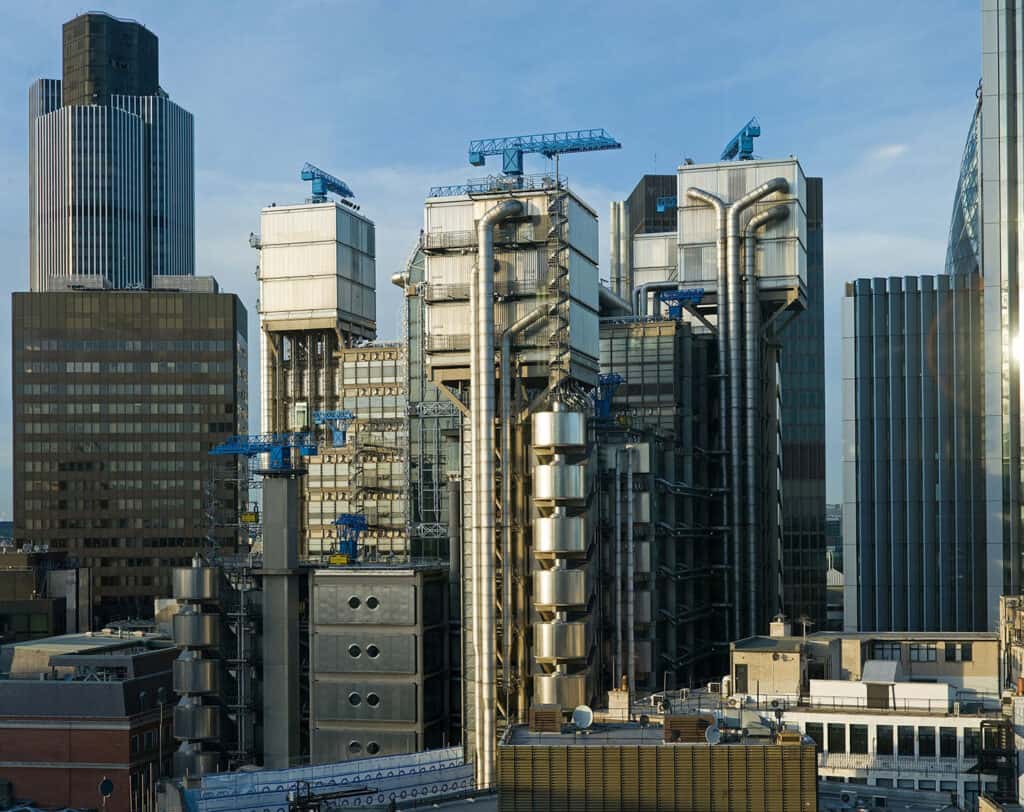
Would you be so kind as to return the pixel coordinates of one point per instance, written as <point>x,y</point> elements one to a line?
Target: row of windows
<point>923,652</point>
<point>124,408</point>
<point>971,788</point>
<point>108,345</point>
<point>94,485</point>
<point>125,389</point>
<point>890,740</point>
<point>139,523</point>
<point>114,466</point>
<point>111,447</point>
<point>127,367</point>
<point>112,427</point>
<point>121,504</point>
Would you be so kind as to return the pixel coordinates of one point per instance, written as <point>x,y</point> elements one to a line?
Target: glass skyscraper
<point>111,178</point>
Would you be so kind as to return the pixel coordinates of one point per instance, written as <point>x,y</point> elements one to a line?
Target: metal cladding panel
<point>297,224</point>
<point>584,330</point>
<point>560,481</point>
<point>345,745</point>
<point>697,223</point>
<point>699,263</point>
<point>195,583</point>
<point>358,651</point>
<point>567,690</point>
<point>524,266</point>
<point>583,280</point>
<point>448,318</point>
<point>642,556</point>
<point>359,601</point>
<point>194,676</point>
<point>452,215</point>
<point>644,659</point>
<point>559,536</point>
<point>196,630</point>
<point>560,587</point>
<point>195,722</point>
<point>559,429</point>
<point>560,640</point>
<point>654,251</point>
<point>583,230</point>
<point>365,701</point>
<point>642,508</point>
<point>643,606</point>
<point>449,269</point>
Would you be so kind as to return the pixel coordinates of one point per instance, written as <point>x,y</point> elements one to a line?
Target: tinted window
<point>883,744</point>
<point>837,738</point>
<point>858,738</point>
<point>947,742</point>
<point>926,741</point>
<point>905,740</point>
<point>816,732</point>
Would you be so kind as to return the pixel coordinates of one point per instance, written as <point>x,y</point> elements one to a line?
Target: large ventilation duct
<point>482,428</point>
<point>754,455</point>
<point>642,292</point>
<point>611,304</point>
<point>731,343</point>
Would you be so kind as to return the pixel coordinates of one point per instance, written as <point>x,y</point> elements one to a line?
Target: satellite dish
<point>712,735</point>
<point>582,717</point>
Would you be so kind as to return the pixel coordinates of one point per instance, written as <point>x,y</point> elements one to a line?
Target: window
<point>966,652</point>
<point>950,652</point>
<point>905,783</point>
<point>947,786</point>
<point>926,742</point>
<point>883,742</point>
<point>972,741</point>
<point>926,785</point>
<point>947,742</point>
<point>740,681</point>
<point>858,738</point>
<point>837,738</point>
<point>885,651</point>
<point>922,652</point>
<point>905,740</point>
<point>816,732</point>
<point>883,782</point>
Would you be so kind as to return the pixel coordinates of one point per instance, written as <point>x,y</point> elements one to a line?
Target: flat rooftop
<point>792,642</point>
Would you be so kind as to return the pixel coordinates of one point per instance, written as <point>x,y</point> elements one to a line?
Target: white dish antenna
<point>712,735</point>
<point>583,717</point>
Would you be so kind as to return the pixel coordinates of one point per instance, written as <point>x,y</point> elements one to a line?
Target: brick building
<point>76,709</point>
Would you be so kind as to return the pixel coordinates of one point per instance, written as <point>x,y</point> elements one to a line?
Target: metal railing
<point>974,705</point>
<point>452,343</point>
<point>500,183</point>
<point>873,761</point>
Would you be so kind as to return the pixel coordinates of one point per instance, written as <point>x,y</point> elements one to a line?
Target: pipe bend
<point>758,192</point>
<point>774,214</point>
<point>499,211</point>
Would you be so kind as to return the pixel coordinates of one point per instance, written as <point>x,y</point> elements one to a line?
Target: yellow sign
<point>338,560</point>
<point>249,517</point>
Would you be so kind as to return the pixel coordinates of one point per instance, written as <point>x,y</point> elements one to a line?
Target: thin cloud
<point>889,152</point>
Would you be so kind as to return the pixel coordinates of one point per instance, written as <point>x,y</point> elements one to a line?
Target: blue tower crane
<point>550,145</point>
<point>678,299</point>
<point>740,148</point>
<point>350,527</point>
<point>324,182</point>
<point>339,421</point>
<point>278,446</point>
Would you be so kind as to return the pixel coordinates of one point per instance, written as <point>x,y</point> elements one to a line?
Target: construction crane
<point>324,182</point>
<point>550,145</point>
<point>350,527</point>
<point>739,148</point>
<point>339,420</point>
<point>277,446</point>
<point>606,386</point>
<point>678,300</point>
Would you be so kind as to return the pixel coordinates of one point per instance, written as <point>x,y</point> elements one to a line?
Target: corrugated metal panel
<point>700,264</point>
<point>451,216</point>
<point>447,318</point>
<point>583,280</point>
<point>697,224</point>
<point>449,269</point>
<point>583,231</point>
<point>654,250</point>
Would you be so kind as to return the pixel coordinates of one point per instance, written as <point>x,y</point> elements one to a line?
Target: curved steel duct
<point>736,378</point>
<point>752,308</point>
<point>607,300</point>
<point>481,306</point>
<point>641,293</point>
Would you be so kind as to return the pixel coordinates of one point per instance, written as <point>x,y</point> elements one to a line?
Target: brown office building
<point>118,398</point>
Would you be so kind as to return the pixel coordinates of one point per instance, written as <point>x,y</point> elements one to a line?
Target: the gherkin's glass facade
<point>962,254</point>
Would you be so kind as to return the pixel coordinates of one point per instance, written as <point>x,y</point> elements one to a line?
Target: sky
<point>874,97</point>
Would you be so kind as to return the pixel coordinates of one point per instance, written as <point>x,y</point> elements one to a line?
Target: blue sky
<point>874,97</point>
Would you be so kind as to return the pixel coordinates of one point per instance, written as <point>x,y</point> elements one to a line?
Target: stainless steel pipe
<point>617,670</point>
<point>482,426</point>
<point>630,587</point>
<point>755,456</point>
<point>506,484</point>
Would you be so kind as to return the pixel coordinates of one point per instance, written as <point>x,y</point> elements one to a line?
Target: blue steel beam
<point>513,148</point>
<point>324,182</point>
<point>741,147</point>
